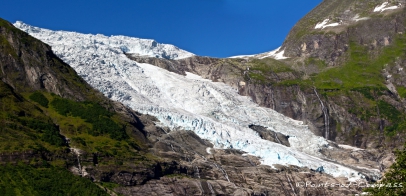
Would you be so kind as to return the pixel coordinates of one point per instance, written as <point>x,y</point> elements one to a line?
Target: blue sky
<point>217,28</point>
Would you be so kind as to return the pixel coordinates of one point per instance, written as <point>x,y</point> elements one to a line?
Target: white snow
<point>214,111</point>
<point>277,54</point>
<point>380,7</point>
<point>357,18</point>
<point>349,147</point>
<point>331,25</point>
<point>208,150</point>
<point>118,44</point>
<point>322,25</point>
<point>383,7</point>
<point>195,77</point>
<point>390,8</point>
<point>241,56</point>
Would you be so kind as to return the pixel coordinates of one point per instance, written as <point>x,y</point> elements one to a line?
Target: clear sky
<point>217,28</point>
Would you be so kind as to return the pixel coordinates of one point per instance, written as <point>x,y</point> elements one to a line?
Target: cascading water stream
<point>326,117</point>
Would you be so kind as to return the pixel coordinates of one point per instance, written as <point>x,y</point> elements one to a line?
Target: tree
<point>394,181</point>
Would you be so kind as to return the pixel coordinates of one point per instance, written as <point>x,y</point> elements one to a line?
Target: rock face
<point>357,21</point>
<point>271,135</point>
<point>28,65</point>
<point>193,167</point>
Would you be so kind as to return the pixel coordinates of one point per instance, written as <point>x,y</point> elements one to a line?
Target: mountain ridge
<point>141,47</point>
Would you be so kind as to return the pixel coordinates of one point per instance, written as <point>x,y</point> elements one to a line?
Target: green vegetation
<point>370,92</point>
<point>393,182</point>
<point>358,71</point>
<point>314,61</point>
<point>269,65</point>
<point>94,114</point>
<point>109,185</point>
<point>262,70</point>
<point>23,125</point>
<point>38,128</point>
<point>50,132</point>
<point>388,111</point>
<point>27,180</point>
<point>401,91</point>
<point>40,99</point>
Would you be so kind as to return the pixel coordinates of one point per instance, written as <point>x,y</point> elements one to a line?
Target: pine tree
<point>394,181</point>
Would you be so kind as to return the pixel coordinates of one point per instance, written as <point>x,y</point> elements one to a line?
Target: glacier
<point>136,46</point>
<point>213,110</point>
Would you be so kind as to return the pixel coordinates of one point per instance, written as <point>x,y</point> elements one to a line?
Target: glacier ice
<point>213,110</point>
<point>117,44</point>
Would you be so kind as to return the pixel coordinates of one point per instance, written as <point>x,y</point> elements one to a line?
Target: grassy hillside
<point>45,180</point>
<point>47,110</point>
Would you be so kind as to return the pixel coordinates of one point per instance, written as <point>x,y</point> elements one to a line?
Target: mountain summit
<point>121,44</point>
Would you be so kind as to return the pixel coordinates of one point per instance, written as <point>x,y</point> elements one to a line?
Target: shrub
<point>394,181</point>
<point>39,98</point>
<point>94,114</point>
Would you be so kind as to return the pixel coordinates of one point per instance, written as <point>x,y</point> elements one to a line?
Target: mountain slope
<point>212,110</point>
<point>117,148</point>
<point>37,88</point>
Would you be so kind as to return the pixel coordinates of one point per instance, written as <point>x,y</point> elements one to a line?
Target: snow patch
<point>357,18</point>
<point>208,150</point>
<point>241,56</point>
<point>383,7</point>
<point>277,54</point>
<point>380,7</point>
<point>322,25</point>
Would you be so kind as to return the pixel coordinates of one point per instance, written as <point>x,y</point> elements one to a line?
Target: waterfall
<point>211,188</point>
<point>223,171</point>
<point>277,139</point>
<point>290,183</point>
<point>273,100</point>
<point>246,157</point>
<point>79,166</point>
<point>197,172</point>
<point>326,118</point>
